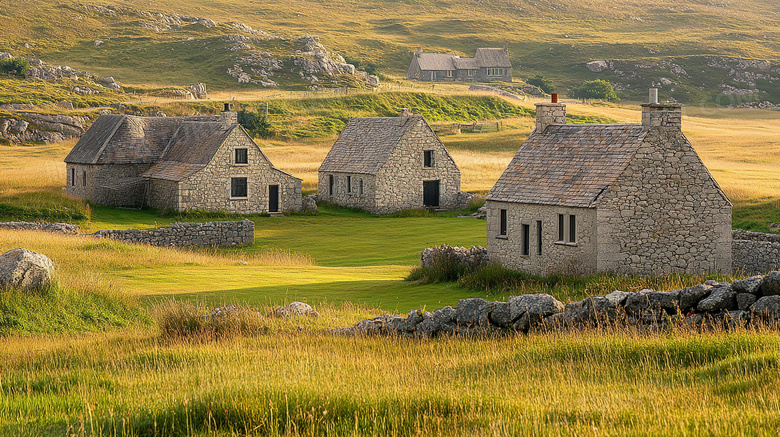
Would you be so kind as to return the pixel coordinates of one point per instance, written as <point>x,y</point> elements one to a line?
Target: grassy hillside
<point>552,38</point>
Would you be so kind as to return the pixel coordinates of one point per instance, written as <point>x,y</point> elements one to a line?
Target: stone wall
<point>104,183</point>
<point>57,228</point>
<point>353,198</point>
<point>753,301</point>
<point>209,189</point>
<point>226,233</point>
<point>754,252</point>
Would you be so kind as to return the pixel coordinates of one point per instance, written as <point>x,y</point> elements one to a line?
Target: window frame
<point>502,223</point>
<point>567,229</point>
<point>349,184</point>
<point>72,176</point>
<point>331,184</point>
<point>526,240</point>
<point>235,185</point>
<point>245,156</point>
<point>429,160</point>
<point>360,184</point>
<point>83,178</point>
<point>538,237</point>
<point>572,234</point>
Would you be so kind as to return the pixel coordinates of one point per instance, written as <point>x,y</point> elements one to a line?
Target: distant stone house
<point>387,164</point>
<point>488,64</point>
<point>208,163</point>
<point>631,199</point>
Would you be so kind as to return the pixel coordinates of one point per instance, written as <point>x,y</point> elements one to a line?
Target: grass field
<point>91,361</point>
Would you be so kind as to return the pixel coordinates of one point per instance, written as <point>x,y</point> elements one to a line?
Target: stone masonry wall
<point>399,183</point>
<point>162,194</point>
<point>101,176</point>
<point>755,252</point>
<point>665,214</point>
<point>576,258</point>
<point>549,113</point>
<point>354,199</point>
<point>209,189</point>
<point>226,233</point>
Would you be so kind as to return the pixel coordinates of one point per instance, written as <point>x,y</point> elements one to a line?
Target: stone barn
<point>387,164</point>
<point>488,64</point>
<point>204,162</point>
<point>625,198</point>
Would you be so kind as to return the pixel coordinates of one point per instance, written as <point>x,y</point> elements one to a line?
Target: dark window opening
<point>331,181</point>
<point>84,177</point>
<point>526,240</point>
<point>73,177</point>
<point>538,237</point>
<point>238,187</point>
<point>349,184</point>
<point>502,223</point>
<point>572,228</point>
<point>273,198</point>
<point>561,225</point>
<point>242,157</point>
<point>428,158</point>
<point>361,187</point>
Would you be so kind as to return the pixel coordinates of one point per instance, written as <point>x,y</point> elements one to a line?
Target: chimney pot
<point>653,100</point>
<point>227,107</point>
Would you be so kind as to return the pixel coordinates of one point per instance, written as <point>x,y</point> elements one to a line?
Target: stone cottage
<point>488,64</point>
<point>387,164</point>
<point>625,198</point>
<point>203,162</point>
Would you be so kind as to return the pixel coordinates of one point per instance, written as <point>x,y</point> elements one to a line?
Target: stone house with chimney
<point>488,64</point>
<point>203,162</point>
<point>388,164</point>
<point>624,198</point>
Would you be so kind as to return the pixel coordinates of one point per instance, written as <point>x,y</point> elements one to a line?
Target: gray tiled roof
<point>466,64</point>
<point>492,58</point>
<point>172,170</point>
<point>568,165</point>
<point>437,61</point>
<point>365,143</point>
<point>197,142</point>
<point>88,149</point>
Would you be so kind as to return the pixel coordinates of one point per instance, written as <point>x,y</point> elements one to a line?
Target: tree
<point>257,124</point>
<point>595,89</point>
<point>542,83</point>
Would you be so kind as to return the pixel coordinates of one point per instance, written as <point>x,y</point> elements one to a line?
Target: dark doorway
<point>273,198</point>
<point>431,193</point>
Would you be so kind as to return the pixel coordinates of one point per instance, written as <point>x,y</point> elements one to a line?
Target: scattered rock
<point>296,309</point>
<point>26,270</point>
<point>310,203</point>
<point>98,42</point>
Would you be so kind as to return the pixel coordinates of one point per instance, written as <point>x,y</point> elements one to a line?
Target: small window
<point>572,229</point>
<point>502,223</point>
<point>84,177</point>
<point>361,187</point>
<point>73,177</point>
<point>238,187</point>
<point>242,156</point>
<point>538,237</point>
<point>526,240</point>
<point>471,72</point>
<point>428,158</point>
<point>331,182</point>
<point>349,184</point>
<point>561,227</point>
<point>449,73</point>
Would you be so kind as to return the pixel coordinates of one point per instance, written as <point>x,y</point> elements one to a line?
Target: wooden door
<point>431,193</point>
<point>273,198</point>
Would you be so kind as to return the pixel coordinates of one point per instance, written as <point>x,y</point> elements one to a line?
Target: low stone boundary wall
<point>719,305</point>
<point>475,256</point>
<point>227,233</point>
<point>59,228</point>
<point>754,252</point>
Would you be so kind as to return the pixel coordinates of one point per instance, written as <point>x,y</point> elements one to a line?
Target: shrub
<point>257,124</point>
<point>595,89</point>
<point>18,66</point>
<point>542,83</point>
<point>186,320</point>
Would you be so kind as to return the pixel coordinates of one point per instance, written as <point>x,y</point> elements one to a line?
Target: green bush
<point>542,83</point>
<point>256,123</point>
<point>17,67</point>
<point>595,89</point>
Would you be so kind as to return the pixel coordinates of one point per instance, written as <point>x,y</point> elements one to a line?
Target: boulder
<point>26,270</point>
<point>637,303</point>
<point>20,127</point>
<point>690,297</point>
<point>617,297</point>
<point>767,308</point>
<point>745,300</point>
<point>530,309</point>
<point>295,309</point>
<point>720,298</point>
<point>500,314</point>
<point>472,311</point>
<point>444,320</point>
<point>770,285</point>
<point>750,285</point>
<point>384,324</point>
<point>310,203</point>
<point>597,66</point>
<point>412,320</point>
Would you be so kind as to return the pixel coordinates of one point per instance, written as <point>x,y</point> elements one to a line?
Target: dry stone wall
<point>754,252</point>
<point>57,228</point>
<point>227,233</point>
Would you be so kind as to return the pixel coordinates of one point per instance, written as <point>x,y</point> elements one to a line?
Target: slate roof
<point>492,58</point>
<point>437,61</point>
<point>466,64</point>
<point>365,143</point>
<point>568,165</point>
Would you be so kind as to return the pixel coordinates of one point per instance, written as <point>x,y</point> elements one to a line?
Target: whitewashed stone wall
<point>226,233</point>
<point>209,189</point>
<point>100,176</point>
<point>353,199</point>
<point>579,258</point>
<point>664,214</point>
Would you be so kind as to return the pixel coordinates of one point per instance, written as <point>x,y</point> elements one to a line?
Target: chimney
<point>665,115</point>
<point>549,113</point>
<point>228,117</point>
<point>406,112</point>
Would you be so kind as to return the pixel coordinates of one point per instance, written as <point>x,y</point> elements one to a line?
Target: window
<point>502,223</point>
<point>471,72</point>
<point>495,71</point>
<point>84,177</point>
<point>242,156</point>
<point>449,73</point>
<point>572,229</point>
<point>561,225</point>
<point>526,240</point>
<point>331,182</point>
<point>428,158</point>
<point>538,237</point>
<point>349,184</point>
<point>238,187</point>
<point>73,177</point>
<point>361,187</point>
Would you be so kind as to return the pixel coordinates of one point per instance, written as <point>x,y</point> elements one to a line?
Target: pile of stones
<point>473,257</point>
<point>750,301</point>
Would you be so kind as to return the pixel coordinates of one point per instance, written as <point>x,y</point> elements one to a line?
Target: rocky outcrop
<point>25,270</point>
<point>713,304</point>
